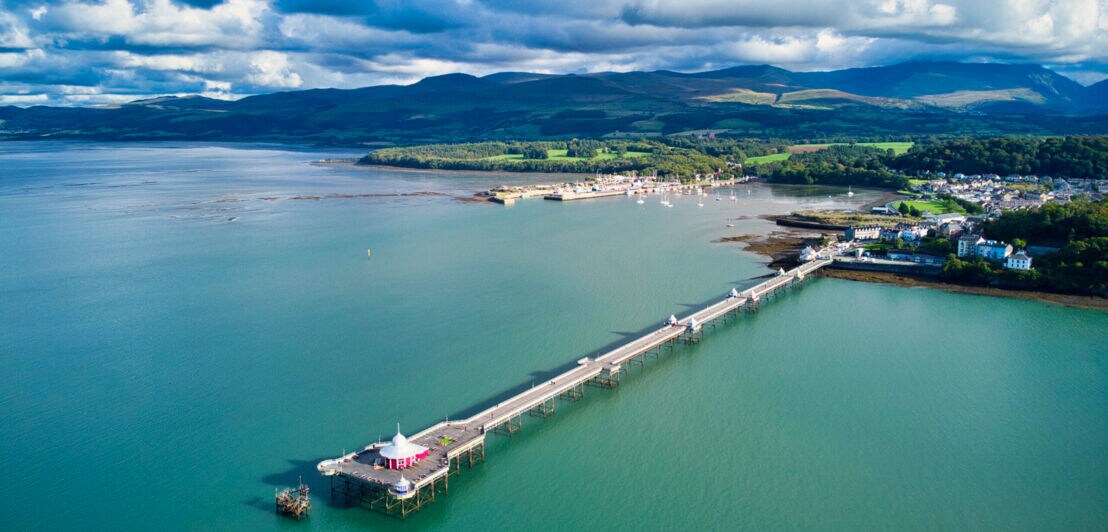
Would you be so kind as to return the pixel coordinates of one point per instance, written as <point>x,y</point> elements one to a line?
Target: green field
<point>560,155</point>
<point>935,206</point>
<point>899,148</point>
<point>767,158</point>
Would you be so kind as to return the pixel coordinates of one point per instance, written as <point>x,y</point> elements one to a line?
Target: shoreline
<point>782,248</point>
<point>1068,300</point>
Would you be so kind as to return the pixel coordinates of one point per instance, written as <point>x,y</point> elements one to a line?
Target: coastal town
<point>602,186</point>
<point>997,194</point>
<point>938,227</point>
<point>915,242</point>
<point>905,239</point>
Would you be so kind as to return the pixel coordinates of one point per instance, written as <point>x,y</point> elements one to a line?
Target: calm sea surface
<point>179,336</point>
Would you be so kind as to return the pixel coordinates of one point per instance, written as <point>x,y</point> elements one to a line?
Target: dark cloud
<point>89,51</point>
<point>415,16</point>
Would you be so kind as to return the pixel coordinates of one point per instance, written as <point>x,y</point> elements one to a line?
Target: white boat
<point>849,192</point>
<point>640,201</point>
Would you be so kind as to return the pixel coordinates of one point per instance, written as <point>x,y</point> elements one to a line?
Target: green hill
<point>917,99</point>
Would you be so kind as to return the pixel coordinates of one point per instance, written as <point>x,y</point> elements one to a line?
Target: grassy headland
<point>574,156</point>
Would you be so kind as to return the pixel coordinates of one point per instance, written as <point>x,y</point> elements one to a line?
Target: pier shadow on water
<point>539,376</point>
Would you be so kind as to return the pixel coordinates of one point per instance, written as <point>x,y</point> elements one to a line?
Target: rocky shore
<point>782,248</point>
<point>1069,300</point>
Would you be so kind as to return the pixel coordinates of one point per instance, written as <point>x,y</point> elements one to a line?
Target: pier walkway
<point>450,442</point>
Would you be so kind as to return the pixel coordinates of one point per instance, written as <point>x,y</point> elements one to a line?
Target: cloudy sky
<point>88,52</point>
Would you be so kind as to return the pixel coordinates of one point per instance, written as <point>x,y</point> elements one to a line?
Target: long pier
<point>357,476</point>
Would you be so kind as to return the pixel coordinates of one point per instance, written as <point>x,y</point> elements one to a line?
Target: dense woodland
<point>1079,229</point>
<point>1080,157</point>
<point>673,159</point>
<point>835,165</point>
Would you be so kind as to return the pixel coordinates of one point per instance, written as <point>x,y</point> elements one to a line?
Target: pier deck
<point>468,434</point>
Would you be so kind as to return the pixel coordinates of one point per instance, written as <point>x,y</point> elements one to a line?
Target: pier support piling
<point>509,426</point>
<point>573,394</point>
<point>543,409</point>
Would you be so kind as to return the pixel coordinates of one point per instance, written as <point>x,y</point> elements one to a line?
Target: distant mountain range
<point>915,98</point>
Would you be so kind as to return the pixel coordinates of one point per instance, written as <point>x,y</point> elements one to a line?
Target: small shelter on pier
<point>401,453</point>
<point>402,489</point>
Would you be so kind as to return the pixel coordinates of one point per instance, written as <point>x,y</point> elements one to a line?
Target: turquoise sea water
<point>162,366</point>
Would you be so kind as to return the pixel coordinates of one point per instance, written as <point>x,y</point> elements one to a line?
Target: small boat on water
<point>730,225</point>
<point>849,192</point>
<point>369,253</point>
<point>640,201</point>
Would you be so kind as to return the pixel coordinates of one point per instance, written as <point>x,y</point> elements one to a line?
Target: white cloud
<point>16,59</point>
<point>333,33</point>
<point>273,69</point>
<point>185,63</point>
<point>24,99</point>
<point>231,24</point>
<point>922,13</point>
<point>129,48</point>
<point>13,33</point>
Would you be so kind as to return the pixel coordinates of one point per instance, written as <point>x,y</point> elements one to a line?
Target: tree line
<point>835,165</point>
<point>1076,157</point>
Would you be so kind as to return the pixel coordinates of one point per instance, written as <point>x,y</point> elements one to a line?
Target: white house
<point>809,254</point>
<point>1019,261</point>
<point>909,232</point>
